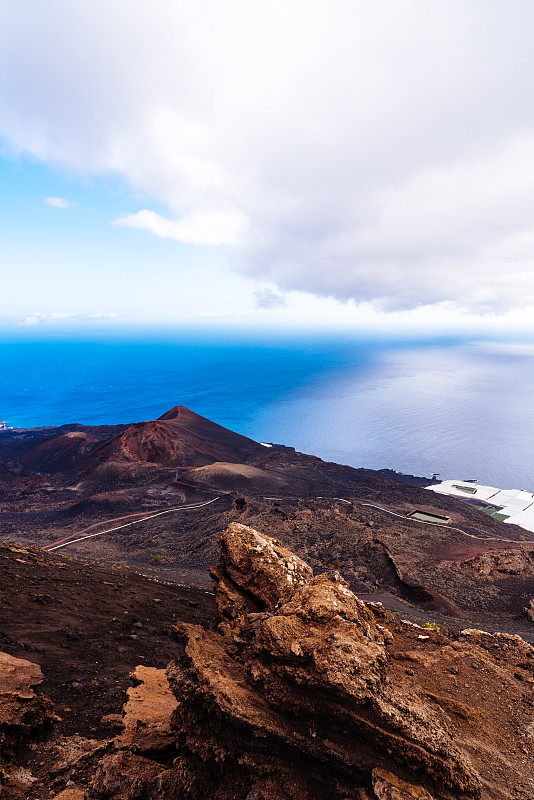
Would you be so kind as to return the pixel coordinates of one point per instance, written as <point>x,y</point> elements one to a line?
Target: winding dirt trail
<point>93,526</point>
<point>444,525</point>
<point>69,540</point>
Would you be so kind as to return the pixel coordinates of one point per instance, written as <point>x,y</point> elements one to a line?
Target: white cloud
<point>265,298</point>
<point>201,228</point>
<point>379,151</point>
<point>57,202</point>
<point>39,318</point>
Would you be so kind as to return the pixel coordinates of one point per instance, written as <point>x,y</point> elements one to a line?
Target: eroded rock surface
<point>22,712</point>
<point>307,692</point>
<point>515,561</point>
<point>255,572</point>
<point>301,691</point>
<point>148,712</point>
<point>23,715</point>
<point>388,787</point>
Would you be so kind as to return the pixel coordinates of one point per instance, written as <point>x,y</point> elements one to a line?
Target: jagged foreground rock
<point>300,691</point>
<point>23,714</point>
<point>305,692</point>
<point>290,696</point>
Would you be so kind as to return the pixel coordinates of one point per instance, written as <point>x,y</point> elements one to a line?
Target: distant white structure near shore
<point>513,506</point>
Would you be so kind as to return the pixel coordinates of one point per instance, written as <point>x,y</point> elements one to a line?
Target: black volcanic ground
<point>88,626</point>
<point>61,483</point>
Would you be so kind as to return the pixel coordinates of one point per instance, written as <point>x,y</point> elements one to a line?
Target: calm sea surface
<point>464,410</point>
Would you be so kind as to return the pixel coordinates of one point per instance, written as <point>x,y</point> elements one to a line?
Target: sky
<point>335,162</point>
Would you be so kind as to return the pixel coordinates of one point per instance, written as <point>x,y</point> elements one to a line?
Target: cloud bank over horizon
<point>377,152</point>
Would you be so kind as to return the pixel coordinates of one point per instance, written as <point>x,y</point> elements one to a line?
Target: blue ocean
<point>457,408</point>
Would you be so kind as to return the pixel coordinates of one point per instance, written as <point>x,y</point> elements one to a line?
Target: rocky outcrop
<point>124,775</point>
<point>147,713</point>
<point>255,572</point>
<point>389,787</point>
<point>23,715</point>
<point>503,563</point>
<point>290,697</point>
<point>297,691</point>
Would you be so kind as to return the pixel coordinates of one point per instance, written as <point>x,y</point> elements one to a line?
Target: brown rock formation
<point>388,787</point>
<point>298,691</point>
<point>255,572</point>
<point>22,712</point>
<point>147,713</point>
<point>295,701</point>
<point>71,794</point>
<point>304,692</point>
<point>503,564</point>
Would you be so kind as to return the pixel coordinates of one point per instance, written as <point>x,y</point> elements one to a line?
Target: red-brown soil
<point>249,706</point>
<point>325,512</point>
<point>88,626</point>
<point>179,438</point>
<point>296,690</point>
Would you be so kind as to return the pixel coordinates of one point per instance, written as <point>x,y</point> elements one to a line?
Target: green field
<point>492,513</point>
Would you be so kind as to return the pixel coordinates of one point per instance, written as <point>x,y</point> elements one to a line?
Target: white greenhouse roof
<point>516,504</point>
<point>525,519</point>
<point>451,487</point>
<point>504,496</point>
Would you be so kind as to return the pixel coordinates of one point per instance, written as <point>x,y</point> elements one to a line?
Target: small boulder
<point>71,794</point>
<point>261,565</point>
<point>23,713</point>
<point>387,786</point>
<point>147,714</point>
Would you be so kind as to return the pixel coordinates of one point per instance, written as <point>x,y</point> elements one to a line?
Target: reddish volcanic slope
<point>54,449</point>
<point>180,438</point>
